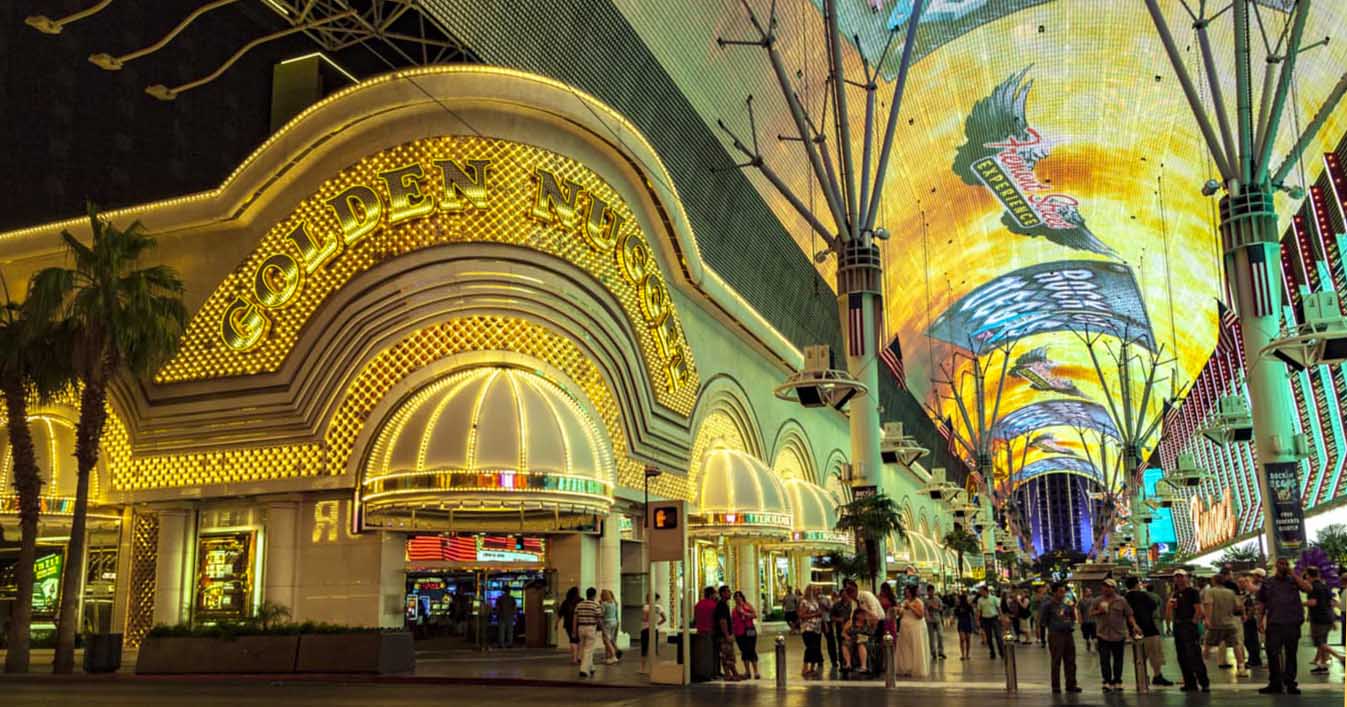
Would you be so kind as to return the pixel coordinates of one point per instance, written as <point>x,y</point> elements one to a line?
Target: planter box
<point>246,654</point>
<point>361,652</point>
<point>381,653</point>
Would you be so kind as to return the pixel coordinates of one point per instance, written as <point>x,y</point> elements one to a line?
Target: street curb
<point>321,677</point>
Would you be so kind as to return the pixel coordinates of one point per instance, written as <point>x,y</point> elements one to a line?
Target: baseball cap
<point>1260,571</point>
<point>1110,583</point>
<point>1180,572</point>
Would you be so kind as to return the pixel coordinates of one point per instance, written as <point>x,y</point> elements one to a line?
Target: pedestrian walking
<point>935,614</point>
<point>724,631</point>
<point>989,614</point>
<point>811,630</point>
<point>505,616</point>
<point>1057,616</point>
<point>1283,613</point>
<point>744,618</point>
<point>963,617</point>
<point>1144,607</point>
<point>1320,602</point>
<point>1087,626</point>
<point>588,618</point>
<point>1184,610</point>
<point>609,627</point>
<point>1224,622</point>
<point>1114,621</point>
<point>790,607</point>
<point>1040,597</point>
<point>647,612</point>
<point>1253,648</point>
<point>566,617</point>
<point>826,625</point>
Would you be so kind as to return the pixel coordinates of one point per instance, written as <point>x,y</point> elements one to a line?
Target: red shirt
<point>704,615</point>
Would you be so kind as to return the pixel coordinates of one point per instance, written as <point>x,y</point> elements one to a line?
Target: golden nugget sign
<point>434,192</point>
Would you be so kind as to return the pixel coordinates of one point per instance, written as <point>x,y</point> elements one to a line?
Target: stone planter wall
<point>365,652</point>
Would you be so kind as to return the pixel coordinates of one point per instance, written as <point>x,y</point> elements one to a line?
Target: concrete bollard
<point>890,668</point>
<point>1139,666</point>
<point>781,661</point>
<point>1012,669</point>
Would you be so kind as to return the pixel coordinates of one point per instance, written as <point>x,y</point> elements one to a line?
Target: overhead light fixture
<point>938,489</point>
<point>1232,422</point>
<point>896,447</point>
<point>1321,339</point>
<point>1187,473</point>
<point>818,384</point>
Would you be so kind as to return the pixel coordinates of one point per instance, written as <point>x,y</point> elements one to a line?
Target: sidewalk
<point>553,667</point>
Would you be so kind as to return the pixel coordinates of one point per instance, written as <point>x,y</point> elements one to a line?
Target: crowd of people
<point>844,631</point>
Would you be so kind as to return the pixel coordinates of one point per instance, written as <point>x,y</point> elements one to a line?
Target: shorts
<point>1319,633</point>
<point>1087,631</point>
<point>1217,635</point>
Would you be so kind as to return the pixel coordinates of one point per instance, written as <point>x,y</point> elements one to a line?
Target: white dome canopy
<point>740,496</point>
<point>490,439</point>
<point>54,452</point>
<point>814,514</point>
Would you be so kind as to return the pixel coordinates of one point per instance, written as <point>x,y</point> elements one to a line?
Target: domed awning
<point>813,518</point>
<point>918,550</point>
<point>740,497</point>
<point>54,452</point>
<point>488,449</point>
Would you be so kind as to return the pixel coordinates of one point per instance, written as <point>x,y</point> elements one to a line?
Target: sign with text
<point>1288,518</point>
<point>224,576</point>
<point>668,530</point>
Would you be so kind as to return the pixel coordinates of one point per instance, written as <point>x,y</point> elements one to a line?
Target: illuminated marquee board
<point>224,577</point>
<point>431,192</point>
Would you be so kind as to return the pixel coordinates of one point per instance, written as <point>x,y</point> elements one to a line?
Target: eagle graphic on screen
<point>1049,444</point>
<point>1000,156</point>
<point>1035,367</point>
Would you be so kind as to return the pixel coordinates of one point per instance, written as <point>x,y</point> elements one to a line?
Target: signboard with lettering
<point>1288,517</point>
<point>47,584</point>
<point>1055,413</point>
<point>1068,295</point>
<point>1213,519</point>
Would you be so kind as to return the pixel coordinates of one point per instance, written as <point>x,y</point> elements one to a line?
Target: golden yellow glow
<point>262,306</point>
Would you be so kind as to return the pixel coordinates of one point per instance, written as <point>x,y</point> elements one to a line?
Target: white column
<point>746,575</point>
<point>171,567</point>
<point>281,558</point>
<point>610,556</point>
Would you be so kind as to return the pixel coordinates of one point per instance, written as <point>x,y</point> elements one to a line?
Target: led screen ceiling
<point>1046,176</point>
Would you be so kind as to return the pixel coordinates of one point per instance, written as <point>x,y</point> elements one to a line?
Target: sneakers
<point>1319,669</point>
<point>1242,673</point>
<point>1161,680</point>
<point>1293,690</point>
<point>1270,690</point>
<point>1073,689</point>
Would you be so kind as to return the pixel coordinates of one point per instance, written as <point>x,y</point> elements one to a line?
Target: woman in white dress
<point>913,651</point>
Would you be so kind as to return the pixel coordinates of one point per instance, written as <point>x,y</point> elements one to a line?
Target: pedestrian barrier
<point>1012,669</point>
<point>890,679</point>
<point>781,661</point>
<point>1139,666</point>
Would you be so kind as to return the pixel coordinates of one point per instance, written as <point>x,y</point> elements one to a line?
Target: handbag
<point>751,632</point>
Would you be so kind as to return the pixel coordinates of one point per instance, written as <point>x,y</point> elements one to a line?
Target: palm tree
<point>1332,539</point>
<point>124,319</point>
<point>961,541</point>
<point>26,368</point>
<point>872,519</point>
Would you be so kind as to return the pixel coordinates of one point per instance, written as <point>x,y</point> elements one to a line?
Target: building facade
<point>441,325</point>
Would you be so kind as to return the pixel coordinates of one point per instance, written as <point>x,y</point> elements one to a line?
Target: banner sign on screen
<point>1288,518</point>
<point>1069,295</point>
<point>1053,413</point>
<point>1040,371</point>
<point>1000,155</point>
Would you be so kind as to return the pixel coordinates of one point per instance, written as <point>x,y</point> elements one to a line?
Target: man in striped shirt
<point>587,617</point>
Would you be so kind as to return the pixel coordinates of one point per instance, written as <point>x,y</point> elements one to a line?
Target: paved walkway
<point>951,675</point>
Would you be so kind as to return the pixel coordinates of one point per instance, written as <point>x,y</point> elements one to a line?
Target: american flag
<point>946,428</point>
<point>1170,414</point>
<point>1260,280</point>
<point>856,324</point>
<point>892,356</point>
<point>1227,330</point>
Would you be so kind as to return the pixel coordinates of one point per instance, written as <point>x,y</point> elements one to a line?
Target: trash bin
<point>103,653</point>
